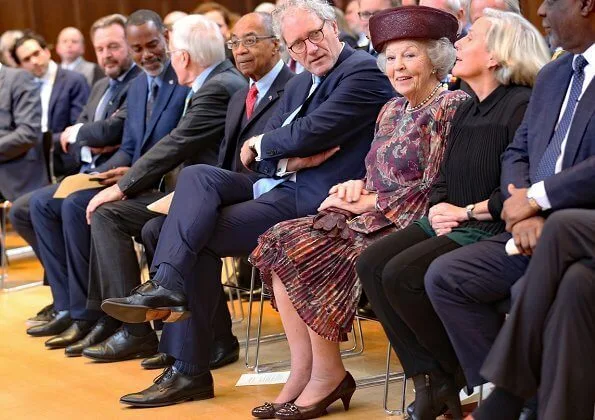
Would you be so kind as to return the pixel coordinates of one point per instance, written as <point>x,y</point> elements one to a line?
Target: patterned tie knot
<point>113,83</point>
<point>580,62</point>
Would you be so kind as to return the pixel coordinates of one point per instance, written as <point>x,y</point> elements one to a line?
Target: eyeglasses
<point>315,37</point>
<point>366,15</point>
<point>171,52</point>
<point>248,41</point>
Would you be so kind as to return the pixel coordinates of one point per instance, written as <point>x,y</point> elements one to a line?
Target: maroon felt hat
<point>411,22</point>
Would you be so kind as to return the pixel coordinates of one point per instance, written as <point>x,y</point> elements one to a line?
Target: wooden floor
<point>39,383</point>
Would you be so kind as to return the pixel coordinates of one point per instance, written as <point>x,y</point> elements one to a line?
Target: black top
<point>470,170</point>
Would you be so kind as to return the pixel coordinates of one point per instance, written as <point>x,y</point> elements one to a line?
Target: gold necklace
<point>422,103</point>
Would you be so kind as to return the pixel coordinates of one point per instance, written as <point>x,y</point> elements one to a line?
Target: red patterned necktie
<point>251,100</point>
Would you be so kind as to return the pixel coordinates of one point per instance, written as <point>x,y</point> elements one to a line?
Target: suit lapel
<point>167,88</point>
<point>56,89</point>
<point>583,114</point>
<point>557,91</point>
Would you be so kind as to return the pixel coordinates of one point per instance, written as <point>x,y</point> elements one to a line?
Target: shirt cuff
<point>282,168</point>
<point>257,146</point>
<point>86,155</point>
<point>538,193</point>
<point>74,132</point>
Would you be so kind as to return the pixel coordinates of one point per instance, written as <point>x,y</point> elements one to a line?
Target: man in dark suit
<point>22,167</point>
<point>109,41</point>
<point>206,223</point>
<point>547,343</point>
<point>196,139</point>
<point>63,94</point>
<point>256,52</point>
<point>549,166</point>
<point>155,104</point>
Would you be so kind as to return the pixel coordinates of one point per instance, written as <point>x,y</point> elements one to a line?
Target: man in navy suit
<point>549,166</point>
<point>63,93</point>
<point>316,114</point>
<point>155,103</point>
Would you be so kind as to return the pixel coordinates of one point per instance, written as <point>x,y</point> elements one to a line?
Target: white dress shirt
<point>537,190</point>
<point>47,83</point>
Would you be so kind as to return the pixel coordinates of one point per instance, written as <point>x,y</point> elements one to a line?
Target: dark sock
<point>188,368</point>
<point>110,322</point>
<point>138,330</point>
<point>500,405</point>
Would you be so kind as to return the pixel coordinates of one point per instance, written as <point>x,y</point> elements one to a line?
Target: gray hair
<point>318,7</point>
<point>441,52</point>
<point>201,38</point>
<point>517,46</point>
<point>267,23</point>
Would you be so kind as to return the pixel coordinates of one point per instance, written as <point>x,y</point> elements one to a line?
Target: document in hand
<point>74,183</point>
<point>161,205</point>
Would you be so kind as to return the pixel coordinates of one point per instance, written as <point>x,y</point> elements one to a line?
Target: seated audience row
<point>413,199</point>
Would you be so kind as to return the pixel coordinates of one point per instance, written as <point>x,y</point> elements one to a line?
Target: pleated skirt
<point>317,270</point>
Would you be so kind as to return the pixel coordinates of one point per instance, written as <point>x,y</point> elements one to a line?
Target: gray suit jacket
<point>197,137</point>
<point>91,71</point>
<point>22,167</point>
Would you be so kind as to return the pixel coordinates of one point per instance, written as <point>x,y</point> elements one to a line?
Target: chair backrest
<point>48,152</point>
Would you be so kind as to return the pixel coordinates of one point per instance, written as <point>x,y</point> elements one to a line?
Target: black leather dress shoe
<point>56,326</point>
<point>123,346</point>
<point>102,330</point>
<point>45,315</point>
<point>223,354</point>
<point>158,361</point>
<point>172,387</point>
<point>148,302</point>
<point>77,330</point>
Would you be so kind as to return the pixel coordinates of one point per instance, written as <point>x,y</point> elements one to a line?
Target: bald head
<point>173,17</point>
<point>453,7</point>
<point>70,44</point>
<point>476,7</point>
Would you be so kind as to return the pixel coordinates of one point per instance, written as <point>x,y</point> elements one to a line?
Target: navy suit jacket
<point>139,137</point>
<point>574,186</point>
<point>69,96</point>
<point>341,112</point>
<point>238,129</point>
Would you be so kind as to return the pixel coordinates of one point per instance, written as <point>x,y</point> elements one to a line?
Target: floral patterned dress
<point>317,270</point>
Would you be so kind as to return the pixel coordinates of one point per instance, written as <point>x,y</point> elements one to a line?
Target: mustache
<point>152,61</point>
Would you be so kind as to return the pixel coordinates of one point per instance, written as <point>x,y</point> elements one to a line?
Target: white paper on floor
<point>268,378</point>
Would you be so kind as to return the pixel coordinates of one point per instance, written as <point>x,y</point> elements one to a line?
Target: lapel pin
<point>171,82</point>
<point>270,97</point>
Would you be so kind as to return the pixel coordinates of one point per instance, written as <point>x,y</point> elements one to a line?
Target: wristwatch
<point>469,209</point>
<point>534,204</point>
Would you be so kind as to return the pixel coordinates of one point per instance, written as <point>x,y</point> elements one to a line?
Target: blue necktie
<point>547,165</point>
<point>187,101</point>
<point>105,100</point>
<point>265,185</point>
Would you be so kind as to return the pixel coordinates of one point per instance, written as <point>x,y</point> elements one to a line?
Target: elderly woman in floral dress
<point>309,263</point>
